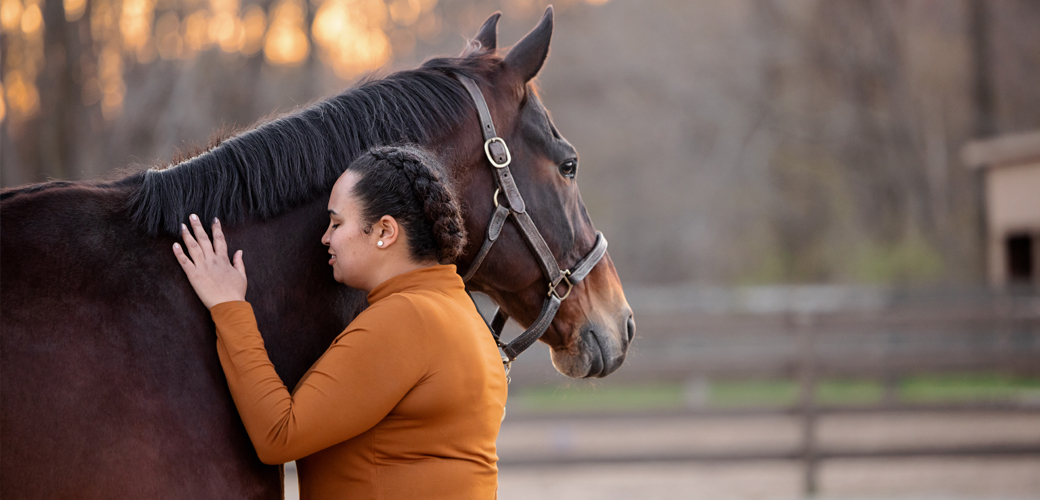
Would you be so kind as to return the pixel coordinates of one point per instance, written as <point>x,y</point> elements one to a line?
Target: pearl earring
<point>380,243</point>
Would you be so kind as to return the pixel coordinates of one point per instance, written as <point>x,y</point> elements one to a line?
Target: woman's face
<point>352,250</point>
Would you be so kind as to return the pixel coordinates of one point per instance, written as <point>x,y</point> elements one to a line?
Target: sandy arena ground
<point>1000,478</point>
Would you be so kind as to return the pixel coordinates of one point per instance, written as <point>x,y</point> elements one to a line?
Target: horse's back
<point>110,385</point>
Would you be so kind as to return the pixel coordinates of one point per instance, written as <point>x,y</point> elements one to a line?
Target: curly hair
<point>405,182</point>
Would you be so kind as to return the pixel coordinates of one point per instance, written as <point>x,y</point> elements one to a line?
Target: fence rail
<point>993,450</point>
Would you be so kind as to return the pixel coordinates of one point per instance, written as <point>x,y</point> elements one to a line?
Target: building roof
<point>1003,150</point>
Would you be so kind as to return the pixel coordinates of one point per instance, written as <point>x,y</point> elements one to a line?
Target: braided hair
<point>405,182</point>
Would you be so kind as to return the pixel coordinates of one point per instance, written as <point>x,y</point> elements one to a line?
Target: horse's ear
<point>487,35</point>
<point>528,55</point>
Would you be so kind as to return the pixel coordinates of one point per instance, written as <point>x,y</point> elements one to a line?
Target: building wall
<point>1013,207</point>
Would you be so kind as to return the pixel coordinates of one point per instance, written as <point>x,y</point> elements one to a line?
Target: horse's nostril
<point>631,328</point>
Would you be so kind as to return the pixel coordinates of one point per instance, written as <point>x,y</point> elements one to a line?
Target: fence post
<point>890,374</point>
<point>805,328</point>
<point>1004,320</point>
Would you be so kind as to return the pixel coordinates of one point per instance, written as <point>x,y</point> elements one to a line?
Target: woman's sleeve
<point>361,377</point>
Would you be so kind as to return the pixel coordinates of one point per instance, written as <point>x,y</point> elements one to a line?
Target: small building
<point>1011,168</point>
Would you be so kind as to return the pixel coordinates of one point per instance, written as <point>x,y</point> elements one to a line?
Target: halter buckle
<point>570,286</point>
<point>491,157</point>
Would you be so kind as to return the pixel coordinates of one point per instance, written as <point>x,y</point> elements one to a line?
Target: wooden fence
<point>812,333</point>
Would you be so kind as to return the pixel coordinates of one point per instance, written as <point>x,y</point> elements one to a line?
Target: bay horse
<point>110,383</point>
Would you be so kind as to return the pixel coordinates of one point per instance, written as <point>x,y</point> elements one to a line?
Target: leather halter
<point>498,155</point>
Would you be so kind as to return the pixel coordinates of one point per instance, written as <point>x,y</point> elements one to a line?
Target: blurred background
<point>826,214</point>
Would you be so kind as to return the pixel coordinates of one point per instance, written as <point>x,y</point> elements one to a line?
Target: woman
<point>407,401</point>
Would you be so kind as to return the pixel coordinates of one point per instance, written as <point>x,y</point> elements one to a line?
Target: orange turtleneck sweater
<point>406,403</point>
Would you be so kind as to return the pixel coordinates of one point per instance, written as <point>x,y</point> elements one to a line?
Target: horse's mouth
<point>593,356</point>
<point>594,350</point>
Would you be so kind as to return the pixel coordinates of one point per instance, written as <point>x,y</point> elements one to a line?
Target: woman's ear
<point>386,230</point>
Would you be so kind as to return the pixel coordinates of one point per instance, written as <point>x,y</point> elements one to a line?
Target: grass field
<point>959,388</point>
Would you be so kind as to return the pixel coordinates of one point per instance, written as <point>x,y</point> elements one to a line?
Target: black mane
<point>281,164</point>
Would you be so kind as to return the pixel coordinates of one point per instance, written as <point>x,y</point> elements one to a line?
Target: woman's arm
<point>357,382</point>
<point>363,375</point>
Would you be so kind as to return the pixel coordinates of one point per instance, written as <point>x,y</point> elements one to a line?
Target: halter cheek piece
<point>498,155</point>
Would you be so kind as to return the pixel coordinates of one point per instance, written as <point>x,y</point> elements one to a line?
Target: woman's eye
<point>569,168</point>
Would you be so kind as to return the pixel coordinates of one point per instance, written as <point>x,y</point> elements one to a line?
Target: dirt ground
<point>996,478</point>
<point>975,479</point>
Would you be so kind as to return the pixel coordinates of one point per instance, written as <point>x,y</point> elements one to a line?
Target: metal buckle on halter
<point>570,286</point>
<point>487,150</point>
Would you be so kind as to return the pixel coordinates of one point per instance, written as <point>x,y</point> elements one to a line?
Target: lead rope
<point>495,326</point>
<point>499,319</point>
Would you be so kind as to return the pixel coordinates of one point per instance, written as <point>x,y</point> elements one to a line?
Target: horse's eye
<point>569,168</point>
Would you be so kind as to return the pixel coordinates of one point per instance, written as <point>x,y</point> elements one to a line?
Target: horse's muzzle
<point>599,350</point>
<point>608,347</point>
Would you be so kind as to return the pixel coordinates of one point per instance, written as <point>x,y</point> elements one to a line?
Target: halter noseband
<point>498,155</point>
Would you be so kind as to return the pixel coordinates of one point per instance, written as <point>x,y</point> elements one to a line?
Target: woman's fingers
<point>219,244</point>
<point>200,235</point>
<point>214,280</point>
<point>183,259</point>
<point>240,264</point>
<point>194,250</point>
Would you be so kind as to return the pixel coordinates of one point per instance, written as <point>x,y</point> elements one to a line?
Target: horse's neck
<point>299,307</point>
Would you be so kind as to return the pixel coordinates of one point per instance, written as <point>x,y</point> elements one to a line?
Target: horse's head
<point>591,332</point>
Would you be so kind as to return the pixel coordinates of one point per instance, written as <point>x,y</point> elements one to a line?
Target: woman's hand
<point>210,272</point>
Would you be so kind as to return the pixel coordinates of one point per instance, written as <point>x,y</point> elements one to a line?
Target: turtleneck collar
<point>439,277</point>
